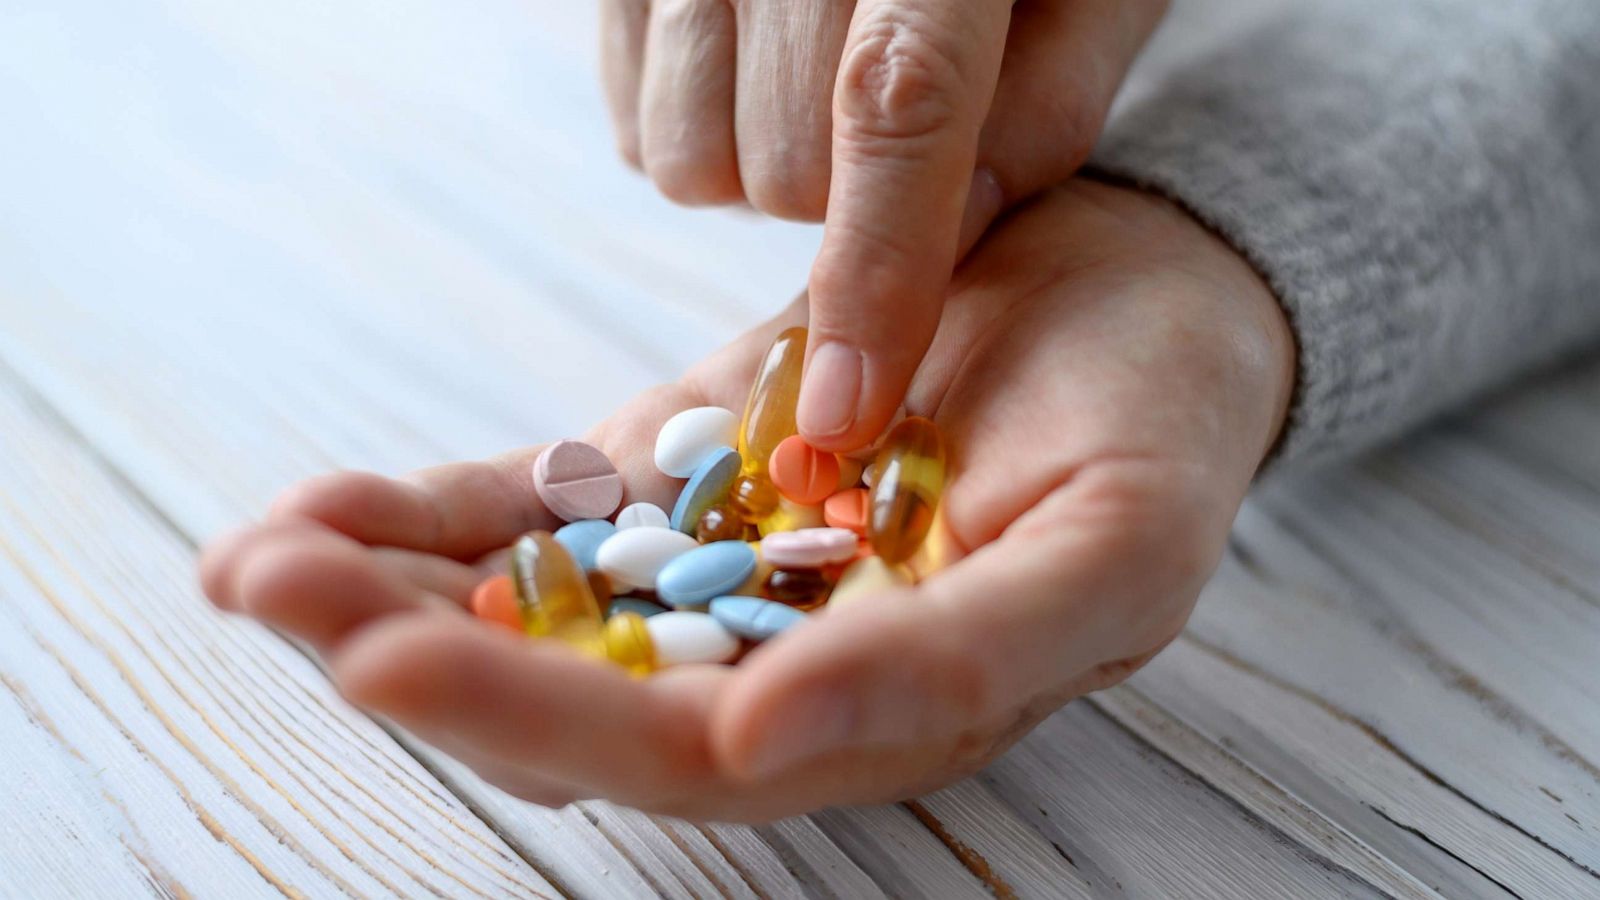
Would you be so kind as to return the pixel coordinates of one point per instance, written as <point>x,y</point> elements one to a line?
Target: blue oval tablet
<point>634,605</point>
<point>753,617</point>
<point>709,570</point>
<point>583,537</point>
<point>708,486</point>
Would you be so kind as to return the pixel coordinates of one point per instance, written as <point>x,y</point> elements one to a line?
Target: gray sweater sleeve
<point>1419,182</point>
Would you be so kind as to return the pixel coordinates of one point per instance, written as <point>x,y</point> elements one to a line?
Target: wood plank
<point>169,759</point>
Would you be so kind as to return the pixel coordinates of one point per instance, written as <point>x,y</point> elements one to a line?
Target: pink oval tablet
<point>577,481</point>
<point>808,548</point>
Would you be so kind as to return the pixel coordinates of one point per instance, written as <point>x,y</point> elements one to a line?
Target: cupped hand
<point>907,124</point>
<point>1108,377</point>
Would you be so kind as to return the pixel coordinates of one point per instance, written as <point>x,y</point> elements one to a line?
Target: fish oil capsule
<point>554,593</point>
<point>800,588</point>
<point>628,643</point>
<point>754,498</point>
<point>908,477</point>
<point>768,419</point>
<point>719,523</point>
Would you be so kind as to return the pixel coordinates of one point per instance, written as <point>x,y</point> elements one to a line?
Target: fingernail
<point>831,392</point>
<point>818,723</point>
<point>984,200</point>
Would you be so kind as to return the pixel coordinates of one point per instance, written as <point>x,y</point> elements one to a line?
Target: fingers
<point>1064,64</point>
<point>914,86</point>
<point>309,580</point>
<point>686,127</point>
<point>521,704</point>
<point>622,42</point>
<point>1102,572</point>
<point>788,54</point>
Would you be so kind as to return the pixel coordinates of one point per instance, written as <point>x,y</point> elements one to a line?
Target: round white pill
<point>690,637</point>
<point>690,436</point>
<point>642,515</point>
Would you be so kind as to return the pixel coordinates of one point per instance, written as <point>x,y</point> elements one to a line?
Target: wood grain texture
<point>250,245</point>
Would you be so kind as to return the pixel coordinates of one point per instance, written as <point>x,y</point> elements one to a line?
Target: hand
<point>1108,377</point>
<point>911,123</point>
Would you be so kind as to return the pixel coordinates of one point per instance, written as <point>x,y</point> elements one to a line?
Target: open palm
<point>1108,377</point>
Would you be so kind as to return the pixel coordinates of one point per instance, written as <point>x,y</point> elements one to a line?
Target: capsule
<point>802,589</point>
<point>628,644</point>
<point>554,593</point>
<point>719,523</point>
<point>768,419</point>
<point>908,479</point>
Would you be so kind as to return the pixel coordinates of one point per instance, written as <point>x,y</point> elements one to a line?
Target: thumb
<point>914,87</point>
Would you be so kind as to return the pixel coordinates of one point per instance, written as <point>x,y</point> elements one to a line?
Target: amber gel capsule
<point>768,419</point>
<point>909,474</point>
<point>628,643</point>
<point>554,593</point>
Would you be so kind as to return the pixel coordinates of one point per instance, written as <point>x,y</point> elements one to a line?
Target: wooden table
<point>245,243</point>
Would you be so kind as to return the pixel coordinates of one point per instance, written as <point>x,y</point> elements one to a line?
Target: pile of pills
<point>766,530</point>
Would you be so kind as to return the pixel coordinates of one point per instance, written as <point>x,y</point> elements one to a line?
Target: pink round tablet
<point>577,481</point>
<point>808,548</point>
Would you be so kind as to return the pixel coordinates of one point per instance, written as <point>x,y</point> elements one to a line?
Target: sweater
<point>1418,182</point>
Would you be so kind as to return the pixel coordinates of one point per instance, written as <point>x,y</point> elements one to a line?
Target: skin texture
<point>1108,377</point>
<point>905,125</point>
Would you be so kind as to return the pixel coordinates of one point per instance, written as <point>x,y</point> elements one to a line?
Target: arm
<point>1427,209</point>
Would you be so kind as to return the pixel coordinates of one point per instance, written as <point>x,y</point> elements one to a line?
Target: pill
<point>707,571</point>
<point>584,537</point>
<point>808,548</point>
<point>707,487</point>
<point>633,557</point>
<point>801,472</point>
<point>690,637</point>
<point>850,470</point>
<point>800,588</point>
<point>628,643</point>
<point>496,601</point>
<point>638,515</point>
<point>769,413</point>
<point>600,585</point>
<point>753,617</point>
<point>690,436</point>
<point>577,481</point>
<point>847,509</point>
<point>864,577</point>
<point>719,523</point>
<point>909,477</point>
<point>553,593</point>
<point>754,498</point>
<point>636,606</point>
<point>790,516</point>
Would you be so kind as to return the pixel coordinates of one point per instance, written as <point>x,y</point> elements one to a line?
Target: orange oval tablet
<point>801,472</point>
<point>847,509</point>
<point>495,601</point>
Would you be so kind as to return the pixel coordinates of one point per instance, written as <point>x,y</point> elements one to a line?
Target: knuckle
<point>688,181</point>
<point>898,81</point>
<point>790,185</point>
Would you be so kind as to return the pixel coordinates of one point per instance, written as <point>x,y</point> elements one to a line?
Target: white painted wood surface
<point>242,245</point>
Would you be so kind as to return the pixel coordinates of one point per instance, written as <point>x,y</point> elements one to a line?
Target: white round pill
<point>690,436</point>
<point>635,556</point>
<point>690,637</point>
<point>642,515</point>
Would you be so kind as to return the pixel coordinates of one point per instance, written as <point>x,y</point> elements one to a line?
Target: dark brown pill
<point>801,588</point>
<point>719,523</point>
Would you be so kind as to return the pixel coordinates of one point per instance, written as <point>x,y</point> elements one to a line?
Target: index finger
<point>913,90</point>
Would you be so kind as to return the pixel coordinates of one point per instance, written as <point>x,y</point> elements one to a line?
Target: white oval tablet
<point>642,515</point>
<point>634,556</point>
<point>690,436</point>
<point>690,637</point>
